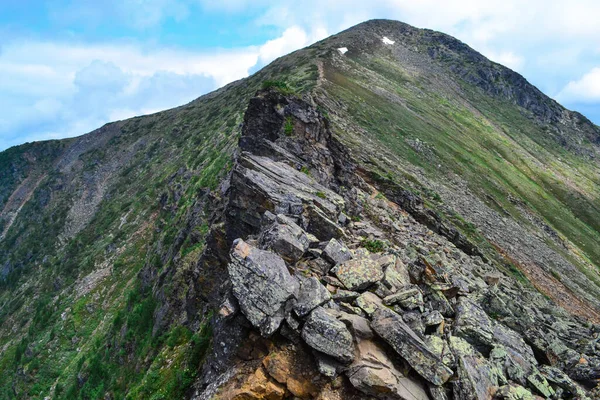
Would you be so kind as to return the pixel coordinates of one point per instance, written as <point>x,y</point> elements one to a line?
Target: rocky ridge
<point>322,304</point>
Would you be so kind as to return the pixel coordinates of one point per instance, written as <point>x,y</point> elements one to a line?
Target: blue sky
<point>69,66</point>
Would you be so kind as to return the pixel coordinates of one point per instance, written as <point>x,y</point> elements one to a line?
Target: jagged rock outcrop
<point>394,323</point>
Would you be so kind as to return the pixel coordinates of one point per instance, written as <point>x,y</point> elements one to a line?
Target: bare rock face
<point>390,326</point>
<point>262,285</point>
<point>324,333</point>
<point>374,373</point>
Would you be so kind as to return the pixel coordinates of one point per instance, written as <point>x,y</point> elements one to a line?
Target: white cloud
<point>584,90</point>
<point>506,58</point>
<point>49,87</point>
<point>75,88</point>
<point>292,39</point>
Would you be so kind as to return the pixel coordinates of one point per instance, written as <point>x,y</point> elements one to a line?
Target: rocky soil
<point>322,304</point>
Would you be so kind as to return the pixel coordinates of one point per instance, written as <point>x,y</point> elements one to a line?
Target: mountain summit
<point>385,214</point>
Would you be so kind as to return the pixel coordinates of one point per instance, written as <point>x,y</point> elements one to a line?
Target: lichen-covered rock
<point>369,302</point>
<point>324,333</point>
<point>477,379</point>
<point>373,373</point>
<point>409,297</point>
<point>473,324</point>
<point>359,273</point>
<point>539,383</point>
<point>336,253</point>
<point>390,326</point>
<point>395,276</point>
<point>514,392</point>
<point>262,285</point>
<point>562,380</point>
<point>312,294</point>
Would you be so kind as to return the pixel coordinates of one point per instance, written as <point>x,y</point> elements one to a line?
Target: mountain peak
<point>403,203</point>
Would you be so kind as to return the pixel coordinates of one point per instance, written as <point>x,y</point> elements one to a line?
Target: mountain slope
<point>116,270</point>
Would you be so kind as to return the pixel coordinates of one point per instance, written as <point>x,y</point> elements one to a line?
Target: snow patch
<point>343,50</point>
<point>386,40</point>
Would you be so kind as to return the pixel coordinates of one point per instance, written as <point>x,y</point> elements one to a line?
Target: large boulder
<point>262,284</point>
<point>324,333</point>
<point>373,373</point>
<point>390,326</point>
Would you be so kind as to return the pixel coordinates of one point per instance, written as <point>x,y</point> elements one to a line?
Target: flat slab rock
<point>359,273</point>
<point>324,333</point>
<point>262,285</point>
<point>390,326</point>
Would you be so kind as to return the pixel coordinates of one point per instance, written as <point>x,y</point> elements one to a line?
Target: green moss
<point>288,126</point>
<point>374,246</point>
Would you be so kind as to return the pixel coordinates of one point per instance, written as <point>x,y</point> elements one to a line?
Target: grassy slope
<point>487,141</point>
<point>77,319</point>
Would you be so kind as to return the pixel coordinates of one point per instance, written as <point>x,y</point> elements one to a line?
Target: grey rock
<point>312,294</point>
<point>336,253</point>
<point>409,297</point>
<point>324,333</point>
<point>262,285</point>
<point>358,326</point>
<point>401,295</point>
<point>373,373</point>
<point>514,392</point>
<point>369,302</point>
<point>359,273</point>
<point>434,318</point>
<point>327,365</point>
<point>477,379</point>
<point>390,327</point>
<point>538,382</point>
<point>562,380</point>
<point>473,324</point>
<point>287,239</point>
<point>345,295</point>
<point>414,320</point>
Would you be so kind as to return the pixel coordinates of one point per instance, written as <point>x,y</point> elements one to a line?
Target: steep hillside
<point>415,222</point>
